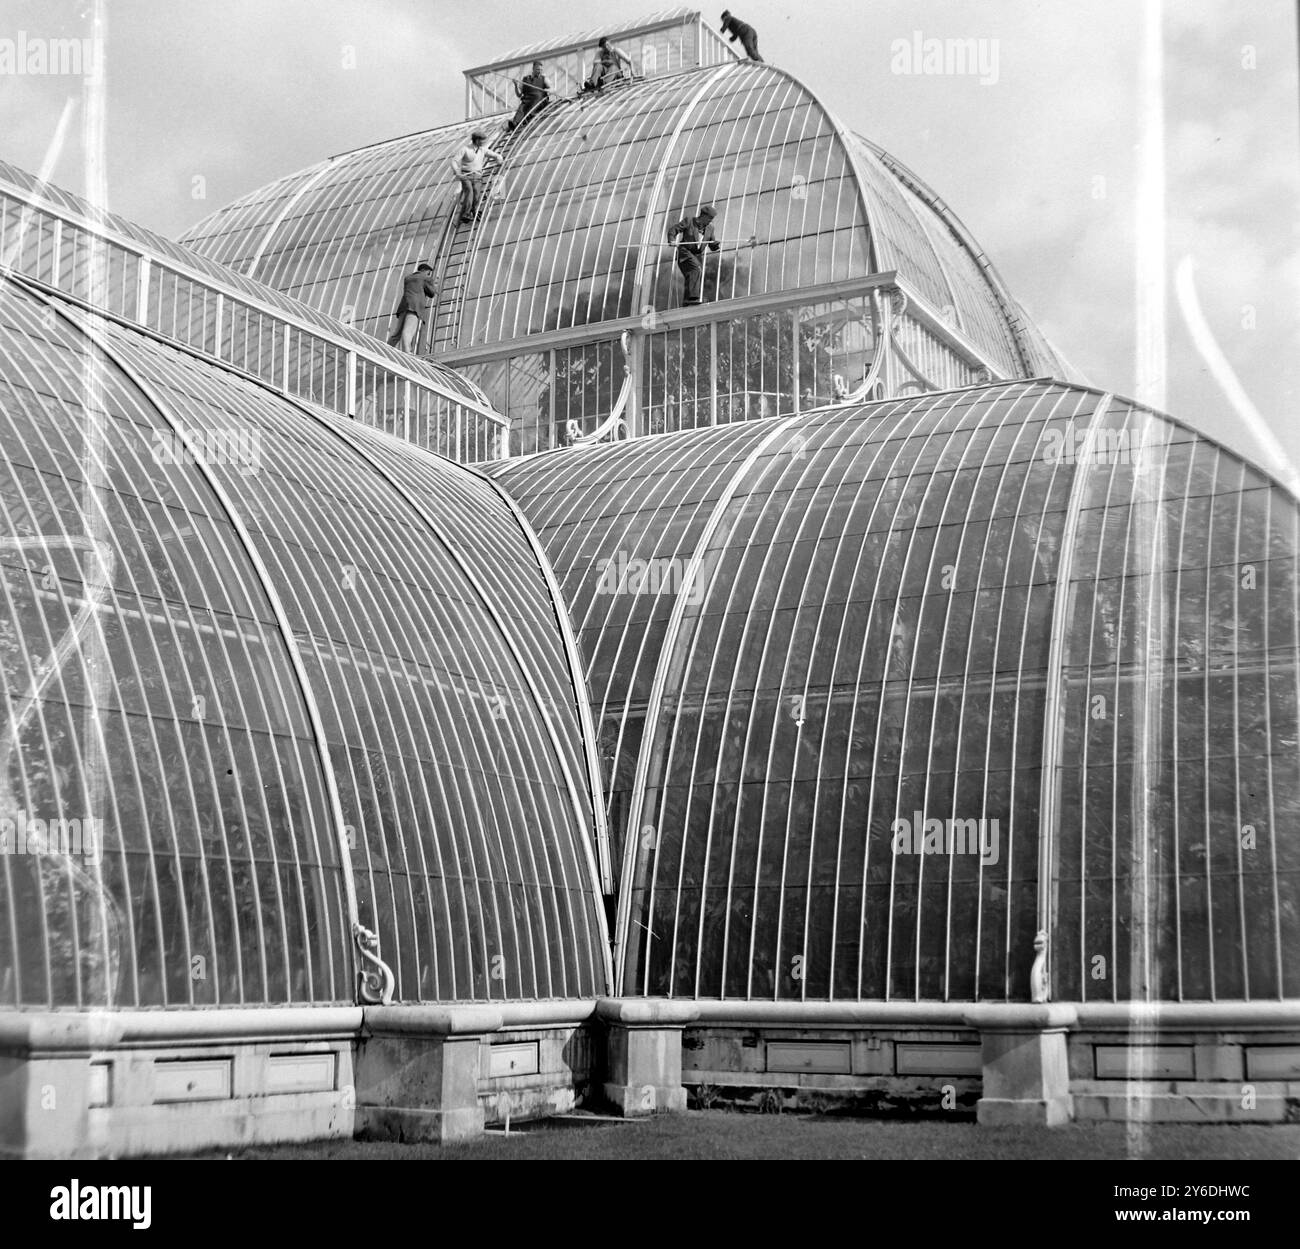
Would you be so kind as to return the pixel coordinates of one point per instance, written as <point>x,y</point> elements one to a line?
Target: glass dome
<point>574,230</point>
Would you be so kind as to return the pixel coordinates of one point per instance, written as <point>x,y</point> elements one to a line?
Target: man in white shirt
<point>469,165</point>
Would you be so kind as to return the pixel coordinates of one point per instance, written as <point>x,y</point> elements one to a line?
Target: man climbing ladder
<point>469,165</point>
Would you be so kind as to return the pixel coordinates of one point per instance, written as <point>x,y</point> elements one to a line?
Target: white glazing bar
<point>1207,638</point>
<point>1145,690</point>
<point>1044,541</point>
<point>56,254</point>
<point>1008,989</point>
<point>1294,648</point>
<point>1115,713</point>
<point>142,290</point>
<point>1044,538</point>
<point>1237,831</point>
<point>1176,805</point>
<point>1057,696</point>
<point>219,315</point>
<point>1266,594</point>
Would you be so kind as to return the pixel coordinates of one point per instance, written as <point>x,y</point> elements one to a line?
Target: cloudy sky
<point>1041,157</point>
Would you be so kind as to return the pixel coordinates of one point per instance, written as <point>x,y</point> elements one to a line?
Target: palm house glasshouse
<point>818,696</point>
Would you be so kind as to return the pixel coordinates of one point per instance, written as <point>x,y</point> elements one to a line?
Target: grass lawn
<point>724,1134</point>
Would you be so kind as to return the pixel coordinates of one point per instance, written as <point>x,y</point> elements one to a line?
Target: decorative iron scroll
<point>375,982</point>
<point>613,426</point>
<point>1040,988</point>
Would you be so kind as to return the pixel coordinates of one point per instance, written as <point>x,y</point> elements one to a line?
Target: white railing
<point>190,306</point>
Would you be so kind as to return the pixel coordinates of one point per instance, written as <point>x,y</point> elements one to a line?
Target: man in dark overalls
<point>696,237</point>
<point>533,91</point>
<point>734,28</point>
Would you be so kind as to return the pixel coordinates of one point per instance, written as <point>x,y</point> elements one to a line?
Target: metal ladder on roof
<point>454,250</point>
<point>457,239</point>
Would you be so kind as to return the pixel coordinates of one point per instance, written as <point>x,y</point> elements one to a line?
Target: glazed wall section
<point>248,637</point>
<point>1176,862</point>
<point>840,745</point>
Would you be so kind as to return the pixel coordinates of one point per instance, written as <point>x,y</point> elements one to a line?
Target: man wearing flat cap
<point>469,165</point>
<point>696,237</point>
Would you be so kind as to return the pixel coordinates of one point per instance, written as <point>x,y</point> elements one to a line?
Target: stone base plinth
<point>1025,1059</point>
<point>417,1072</point>
<point>644,1054</point>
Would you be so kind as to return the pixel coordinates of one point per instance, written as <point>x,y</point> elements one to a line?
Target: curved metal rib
<point>906,361</point>
<point>633,844</point>
<point>1049,797</point>
<point>515,645</point>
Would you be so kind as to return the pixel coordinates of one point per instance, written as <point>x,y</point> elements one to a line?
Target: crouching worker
<point>418,291</point>
<point>533,91</point>
<point>469,165</point>
<point>696,237</point>
<point>607,66</point>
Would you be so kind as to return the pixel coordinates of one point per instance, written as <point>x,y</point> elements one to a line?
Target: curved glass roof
<point>578,234</point>
<point>951,269</point>
<point>281,661</point>
<point>341,234</point>
<point>574,231</point>
<point>816,642</point>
